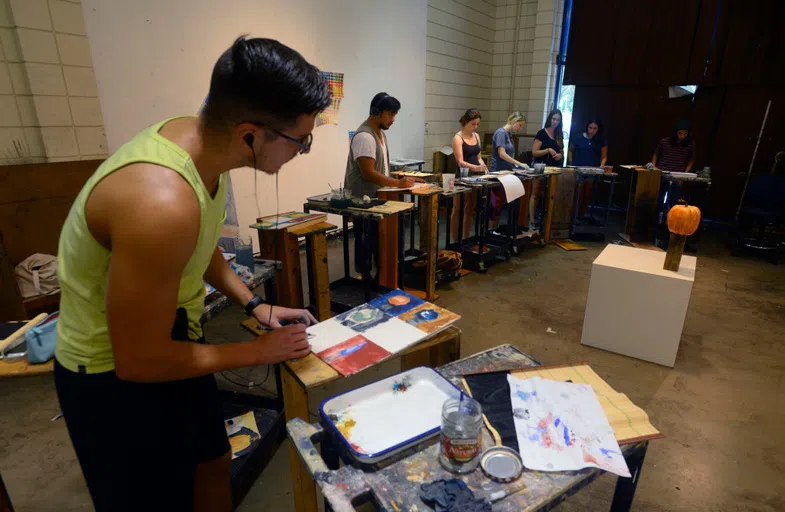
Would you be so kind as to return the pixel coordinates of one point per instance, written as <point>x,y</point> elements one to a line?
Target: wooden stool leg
<point>546,232</point>
<point>295,400</point>
<point>428,241</point>
<point>288,280</point>
<point>317,257</point>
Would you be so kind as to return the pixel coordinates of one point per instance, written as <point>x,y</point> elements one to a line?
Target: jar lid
<point>501,464</point>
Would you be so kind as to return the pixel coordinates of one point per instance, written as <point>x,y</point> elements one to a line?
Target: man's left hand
<point>279,314</point>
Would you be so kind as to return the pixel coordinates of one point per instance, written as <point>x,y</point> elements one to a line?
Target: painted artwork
<point>561,426</point>
<point>353,355</point>
<point>362,318</point>
<point>390,323</point>
<point>429,318</point>
<point>332,114</point>
<point>396,302</point>
<point>243,434</point>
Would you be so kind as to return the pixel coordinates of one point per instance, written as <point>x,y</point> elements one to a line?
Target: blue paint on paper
<point>608,452</point>
<point>523,395</point>
<point>566,436</point>
<point>556,423</point>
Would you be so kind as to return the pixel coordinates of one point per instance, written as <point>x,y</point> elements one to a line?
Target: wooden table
<point>300,376</point>
<point>429,222</point>
<point>642,203</point>
<point>214,304</point>
<point>394,485</point>
<point>591,178</point>
<point>390,272</point>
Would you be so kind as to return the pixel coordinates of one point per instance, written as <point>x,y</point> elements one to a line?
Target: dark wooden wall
<point>624,54</point>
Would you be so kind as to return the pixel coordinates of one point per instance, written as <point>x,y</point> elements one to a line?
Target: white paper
<point>328,334</point>
<point>561,427</point>
<point>513,187</point>
<point>446,150</point>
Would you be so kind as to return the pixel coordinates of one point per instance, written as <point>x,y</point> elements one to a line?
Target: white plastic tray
<point>378,420</point>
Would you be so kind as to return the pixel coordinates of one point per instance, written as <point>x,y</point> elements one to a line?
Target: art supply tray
<point>379,420</point>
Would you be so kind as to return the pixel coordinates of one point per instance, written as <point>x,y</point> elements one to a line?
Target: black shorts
<point>139,443</point>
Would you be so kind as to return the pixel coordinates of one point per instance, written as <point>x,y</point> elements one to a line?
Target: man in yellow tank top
<point>133,374</point>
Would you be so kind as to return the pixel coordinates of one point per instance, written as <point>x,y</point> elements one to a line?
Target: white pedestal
<point>635,307</point>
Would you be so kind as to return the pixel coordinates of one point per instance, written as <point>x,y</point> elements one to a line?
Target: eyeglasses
<point>304,144</point>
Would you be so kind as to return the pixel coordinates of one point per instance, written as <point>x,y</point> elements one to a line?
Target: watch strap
<point>255,301</point>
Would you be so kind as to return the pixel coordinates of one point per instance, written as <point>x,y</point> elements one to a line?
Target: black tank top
<point>471,153</point>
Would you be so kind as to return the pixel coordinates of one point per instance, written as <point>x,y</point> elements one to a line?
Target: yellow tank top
<point>83,264</point>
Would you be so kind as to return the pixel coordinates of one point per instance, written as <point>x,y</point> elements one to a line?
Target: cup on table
<point>464,172</point>
<point>243,248</point>
<point>448,182</point>
<point>608,168</point>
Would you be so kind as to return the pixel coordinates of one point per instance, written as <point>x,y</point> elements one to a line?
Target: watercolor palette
<point>378,420</point>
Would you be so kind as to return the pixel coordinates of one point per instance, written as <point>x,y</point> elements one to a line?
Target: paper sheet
<point>561,427</point>
<point>513,187</point>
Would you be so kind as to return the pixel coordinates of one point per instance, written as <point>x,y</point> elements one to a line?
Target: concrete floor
<point>721,407</point>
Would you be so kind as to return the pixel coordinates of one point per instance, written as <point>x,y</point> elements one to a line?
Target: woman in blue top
<point>588,149</point>
<point>503,159</point>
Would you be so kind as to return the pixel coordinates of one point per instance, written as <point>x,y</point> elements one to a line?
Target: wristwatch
<point>255,301</point>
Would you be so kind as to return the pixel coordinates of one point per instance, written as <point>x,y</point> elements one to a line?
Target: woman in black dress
<point>468,153</point>
<point>547,148</point>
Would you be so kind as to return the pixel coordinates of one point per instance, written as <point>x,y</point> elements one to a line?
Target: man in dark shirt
<point>677,152</point>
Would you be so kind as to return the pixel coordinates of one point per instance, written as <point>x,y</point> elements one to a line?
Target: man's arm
<point>369,173</point>
<point>222,277</point>
<point>153,229</point>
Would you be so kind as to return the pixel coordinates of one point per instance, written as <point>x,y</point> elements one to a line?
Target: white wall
<point>460,55</point>
<point>153,60</point>
<point>474,61</point>
<point>49,110</point>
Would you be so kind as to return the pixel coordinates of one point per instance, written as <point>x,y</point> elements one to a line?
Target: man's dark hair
<point>262,80</point>
<point>383,102</point>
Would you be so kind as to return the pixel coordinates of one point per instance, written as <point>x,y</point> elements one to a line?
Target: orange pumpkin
<point>684,219</point>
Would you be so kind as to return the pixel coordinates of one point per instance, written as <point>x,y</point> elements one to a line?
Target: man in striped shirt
<point>677,152</point>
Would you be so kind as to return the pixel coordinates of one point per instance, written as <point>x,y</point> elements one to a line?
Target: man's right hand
<point>405,182</point>
<point>289,342</point>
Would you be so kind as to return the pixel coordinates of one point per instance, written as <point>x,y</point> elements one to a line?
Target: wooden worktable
<point>394,485</point>
<point>300,376</point>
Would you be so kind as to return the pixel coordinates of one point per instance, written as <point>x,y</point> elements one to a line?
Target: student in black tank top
<point>468,155</point>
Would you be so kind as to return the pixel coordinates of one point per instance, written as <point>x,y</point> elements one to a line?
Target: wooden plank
<point>11,307</point>
<point>282,246</point>
<point>546,232</point>
<point>388,245</point>
<point>564,197</point>
<point>642,211</point>
<point>428,240</point>
<point>321,227</point>
<point>295,400</point>
<point>321,278</point>
<point>22,368</point>
<point>33,182</point>
<point>33,226</point>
